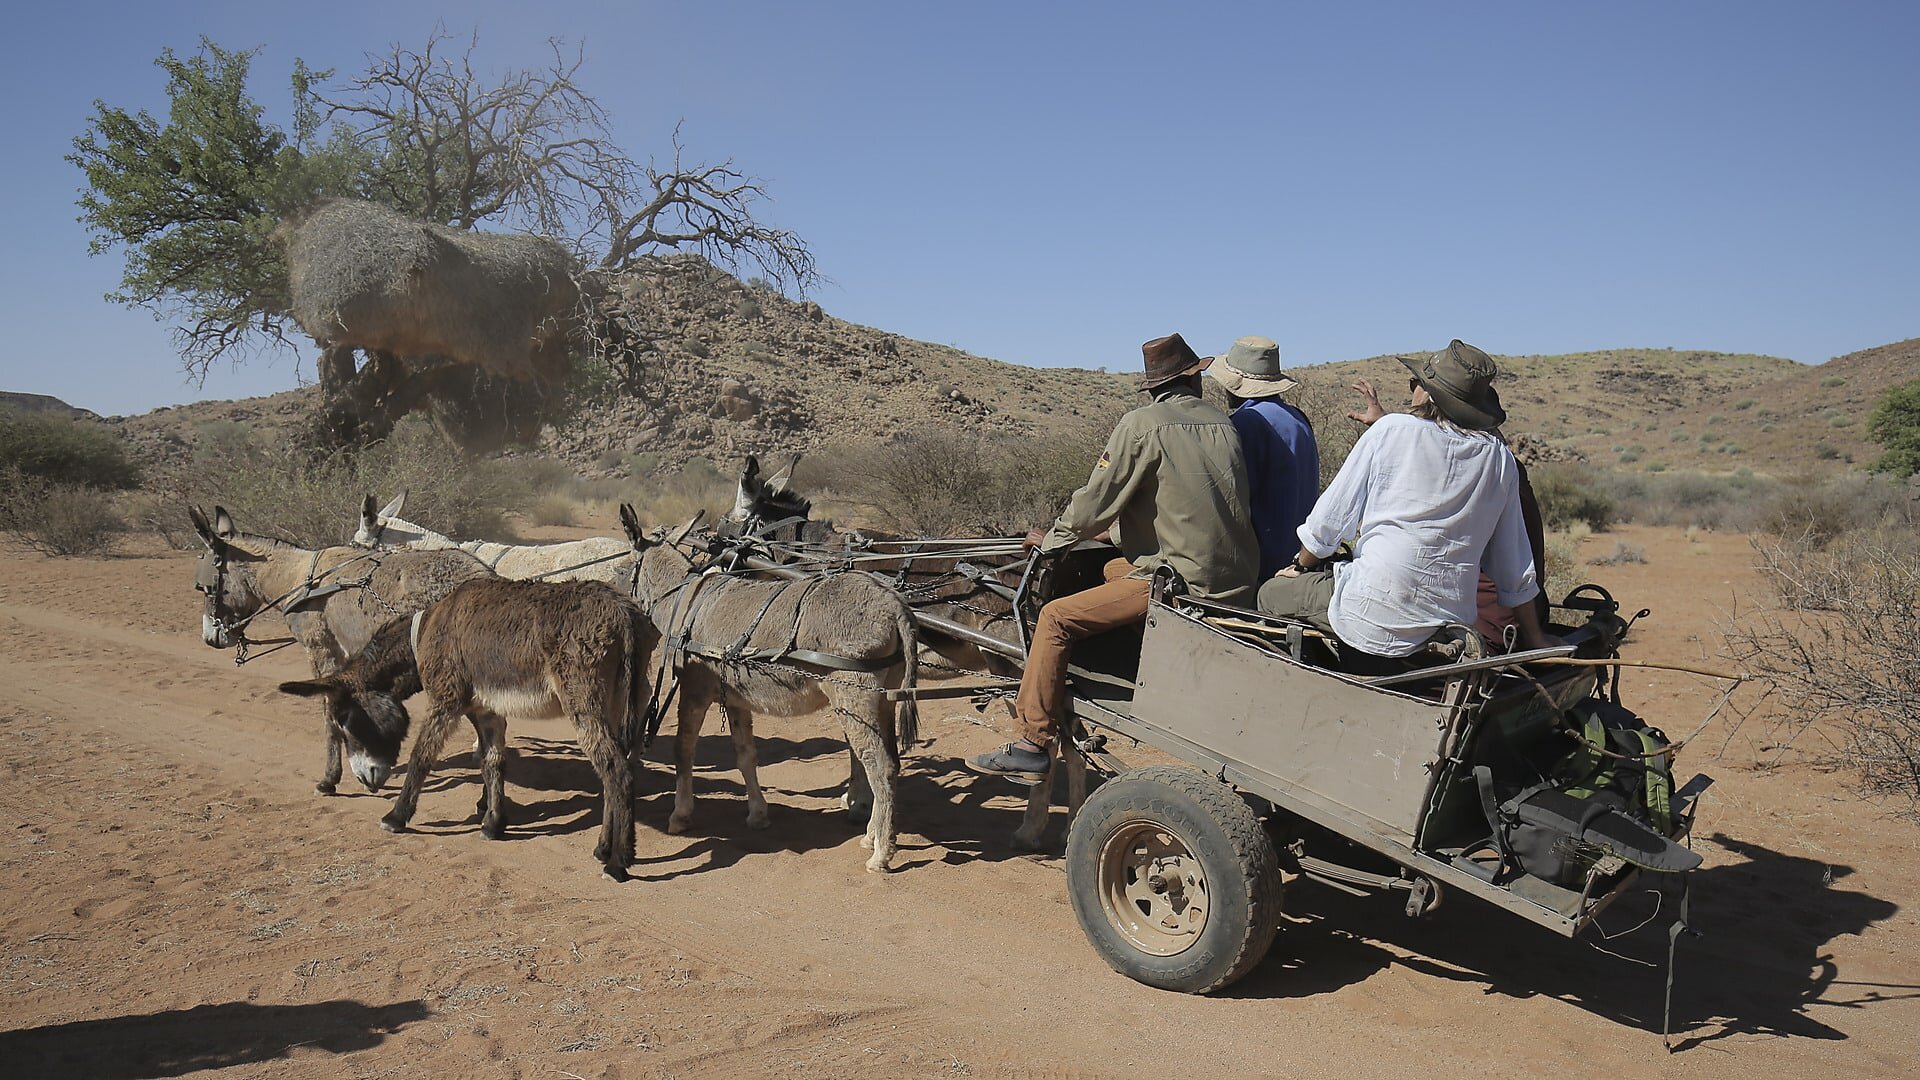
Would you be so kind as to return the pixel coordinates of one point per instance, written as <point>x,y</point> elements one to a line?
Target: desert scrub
<point>553,508</point>
<point>311,497</point>
<point>64,451</point>
<point>947,481</point>
<point>1853,666</point>
<point>1832,381</point>
<point>57,518</point>
<point>1570,493</point>
<point>1622,554</point>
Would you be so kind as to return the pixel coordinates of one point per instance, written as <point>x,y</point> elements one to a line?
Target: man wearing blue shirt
<point>1283,461</point>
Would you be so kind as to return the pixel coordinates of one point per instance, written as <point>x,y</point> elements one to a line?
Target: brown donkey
<point>492,651</point>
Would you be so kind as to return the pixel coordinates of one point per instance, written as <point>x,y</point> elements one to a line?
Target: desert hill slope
<point>734,369</point>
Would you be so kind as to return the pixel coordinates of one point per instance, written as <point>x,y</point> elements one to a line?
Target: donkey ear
<point>199,518</point>
<point>308,688</point>
<point>223,524</point>
<point>630,521</point>
<point>780,480</point>
<point>368,514</point>
<point>393,509</point>
<point>749,470</point>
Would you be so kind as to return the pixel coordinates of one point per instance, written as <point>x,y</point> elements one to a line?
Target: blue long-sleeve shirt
<point>1283,465</point>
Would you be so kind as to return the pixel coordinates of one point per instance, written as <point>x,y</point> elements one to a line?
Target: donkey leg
<point>615,848</point>
<point>491,731</point>
<point>330,774</point>
<point>746,757</point>
<point>862,714</point>
<point>693,713</point>
<point>1033,824</point>
<point>858,799</point>
<point>426,750</point>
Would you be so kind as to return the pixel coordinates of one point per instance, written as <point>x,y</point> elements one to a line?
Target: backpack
<point>1612,794</point>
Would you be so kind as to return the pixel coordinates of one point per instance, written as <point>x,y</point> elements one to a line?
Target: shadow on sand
<point>181,1041</point>
<point>1760,965</point>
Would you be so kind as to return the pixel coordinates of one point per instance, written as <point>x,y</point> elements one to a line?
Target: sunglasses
<point>1412,385</point>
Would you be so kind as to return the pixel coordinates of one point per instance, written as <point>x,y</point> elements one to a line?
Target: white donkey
<point>598,558</point>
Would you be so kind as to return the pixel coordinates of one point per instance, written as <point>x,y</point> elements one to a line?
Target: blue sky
<point>1055,183</point>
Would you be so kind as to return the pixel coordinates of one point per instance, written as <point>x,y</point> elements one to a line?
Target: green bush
<point>1895,425</point>
<point>1832,381</point>
<point>1839,421</point>
<point>57,518</point>
<point>1744,404</point>
<point>64,451</point>
<point>1678,435</point>
<point>1569,493</point>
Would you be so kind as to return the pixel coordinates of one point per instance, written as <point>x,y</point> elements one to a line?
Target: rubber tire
<point>1233,849</point>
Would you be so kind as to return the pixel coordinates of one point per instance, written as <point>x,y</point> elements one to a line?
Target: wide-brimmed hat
<point>1168,358</point>
<point>1459,379</point>
<point>1251,369</point>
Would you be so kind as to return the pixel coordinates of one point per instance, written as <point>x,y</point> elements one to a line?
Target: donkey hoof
<point>324,787</point>
<point>494,831</point>
<point>878,865</point>
<point>1023,842</point>
<point>866,842</point>
<point>676,825</point>
<point>615,874</point>
<point>393,824</point>
<point>757,821</point>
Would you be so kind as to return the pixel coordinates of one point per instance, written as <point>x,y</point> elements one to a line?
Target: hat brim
<point>1148,382</point>
<point>1482,415</point>
<point>1242,385</point>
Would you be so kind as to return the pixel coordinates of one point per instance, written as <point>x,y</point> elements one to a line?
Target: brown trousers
<point>1042,702</point>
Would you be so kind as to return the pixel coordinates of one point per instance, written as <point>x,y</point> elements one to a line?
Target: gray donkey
<point>787,648</point>
<point>333,598</point>
<point>494,650</point>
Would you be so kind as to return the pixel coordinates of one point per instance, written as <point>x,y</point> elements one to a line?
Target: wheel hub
<point>1152,888</point>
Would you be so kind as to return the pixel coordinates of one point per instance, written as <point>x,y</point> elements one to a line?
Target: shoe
<point>1016,763</point>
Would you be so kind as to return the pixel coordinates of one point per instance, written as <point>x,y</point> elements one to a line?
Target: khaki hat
<point>1459,379</point>
<point>1251,369</point>
<point>1168,358</point>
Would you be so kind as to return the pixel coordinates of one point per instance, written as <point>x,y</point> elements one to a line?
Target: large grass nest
<point>367,277</point>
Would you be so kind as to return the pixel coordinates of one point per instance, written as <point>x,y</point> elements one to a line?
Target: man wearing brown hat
<point>1431,498</point>
<point>1173,485</point>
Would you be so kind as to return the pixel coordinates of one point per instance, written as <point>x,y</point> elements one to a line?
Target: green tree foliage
<point>194,202</point>
<point>1895,425</point>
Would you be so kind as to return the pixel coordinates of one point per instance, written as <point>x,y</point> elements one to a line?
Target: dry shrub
<point>64,451</point>
<point>313,499</point>
<point>1622,554</point>
<point>1571,493</point>
<point>553,508</point>
<point>1562,574</point>
<point>1854,666</point>
<point>945,481</point>
<point>1820,511</point>
<point>698,487</point>
<point>1334,433</point>
<point>57,518</point>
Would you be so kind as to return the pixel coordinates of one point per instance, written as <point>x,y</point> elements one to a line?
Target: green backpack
<point>1620,757</point>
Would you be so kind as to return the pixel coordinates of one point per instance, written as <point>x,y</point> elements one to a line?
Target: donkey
<point>494,650</point>
<point>598,558</point>
<point>846,619</point>
<point>943,585</point>
<point>333,598</point>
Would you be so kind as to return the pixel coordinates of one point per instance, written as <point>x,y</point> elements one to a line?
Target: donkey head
<point>223,577</point>
<point>759,499</point>
<point>375,523</point>
<point>372,722</point>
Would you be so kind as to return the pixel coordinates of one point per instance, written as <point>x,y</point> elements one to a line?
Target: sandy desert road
<point>178,901</point>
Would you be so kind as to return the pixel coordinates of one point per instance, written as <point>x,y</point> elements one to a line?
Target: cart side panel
<point>1316,735</point>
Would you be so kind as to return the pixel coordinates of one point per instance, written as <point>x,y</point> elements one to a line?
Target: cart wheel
<point>1173,879</point>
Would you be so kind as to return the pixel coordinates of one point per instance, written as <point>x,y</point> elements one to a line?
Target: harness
<point>313,587</point>
<point>677,642</point>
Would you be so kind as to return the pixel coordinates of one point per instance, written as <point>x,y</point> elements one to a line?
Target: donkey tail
<point>634,668</point>
<point>908,717</point>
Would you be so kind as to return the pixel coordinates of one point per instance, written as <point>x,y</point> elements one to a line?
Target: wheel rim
<point>1152,889</point>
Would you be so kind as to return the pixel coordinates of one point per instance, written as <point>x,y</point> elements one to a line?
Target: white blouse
<point>1432,506</point>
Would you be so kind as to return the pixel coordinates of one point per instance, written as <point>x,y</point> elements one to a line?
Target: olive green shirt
<point>1172,478</point>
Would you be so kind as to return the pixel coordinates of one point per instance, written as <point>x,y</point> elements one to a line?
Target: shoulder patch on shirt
<point>1106,459</point>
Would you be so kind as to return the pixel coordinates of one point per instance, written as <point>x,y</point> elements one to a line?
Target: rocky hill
<point>732,369</point>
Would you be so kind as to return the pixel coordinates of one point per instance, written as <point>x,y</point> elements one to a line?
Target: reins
<point>310,589</point>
